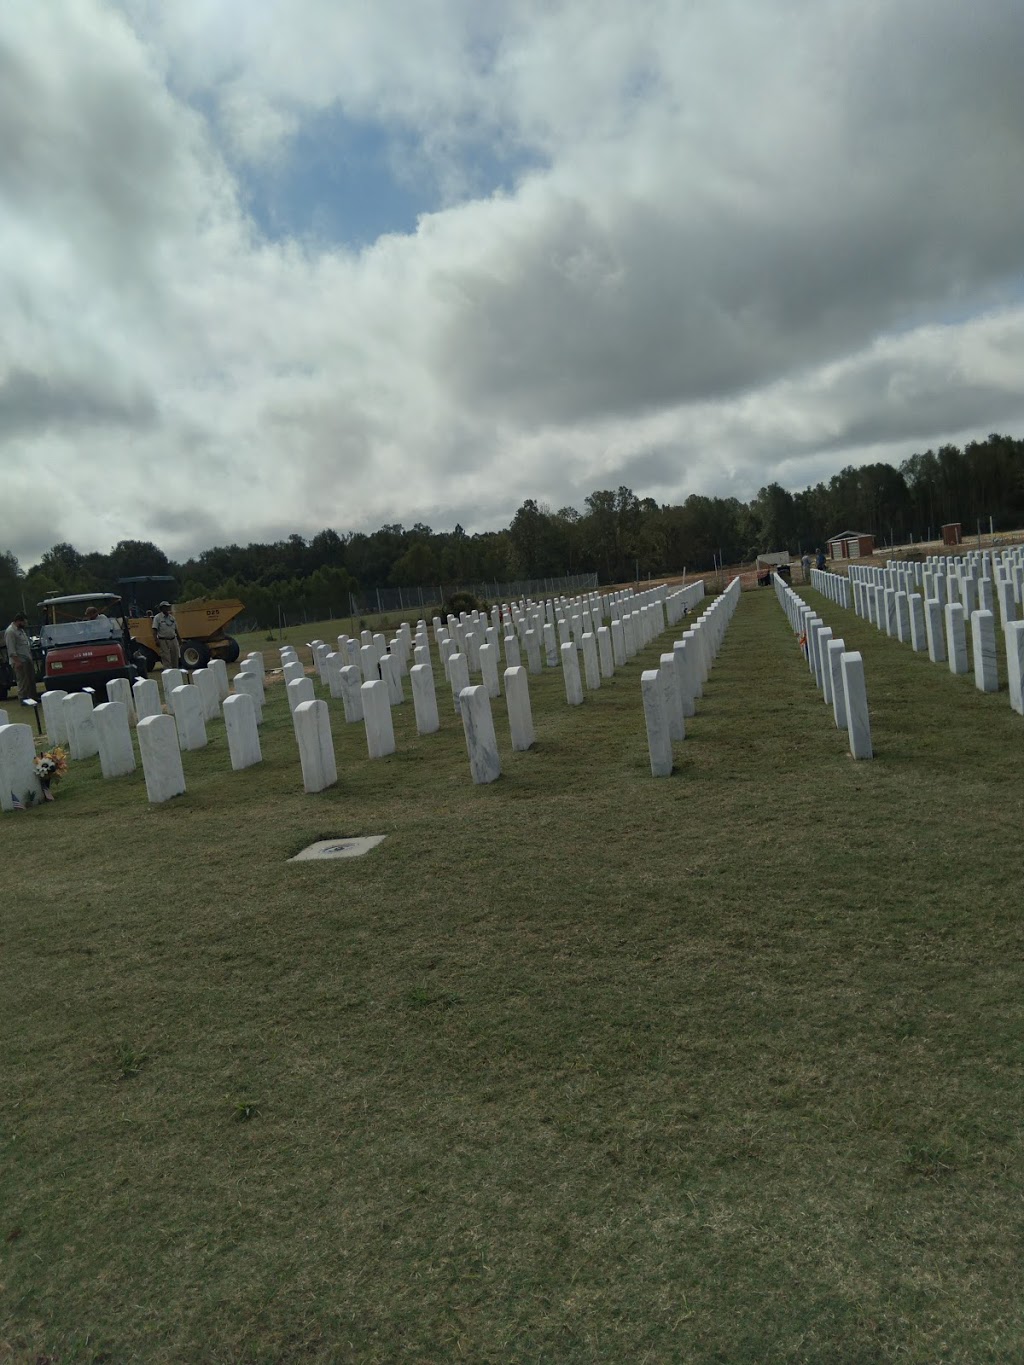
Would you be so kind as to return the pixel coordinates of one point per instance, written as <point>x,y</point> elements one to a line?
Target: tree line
<point>616,534</point>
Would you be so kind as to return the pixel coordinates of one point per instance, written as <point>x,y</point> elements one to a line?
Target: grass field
<point>580,1066</point>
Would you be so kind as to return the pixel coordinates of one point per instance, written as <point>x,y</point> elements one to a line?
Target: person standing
<point>19,651</point>
<point>168,641</point>
<point>805,564</point>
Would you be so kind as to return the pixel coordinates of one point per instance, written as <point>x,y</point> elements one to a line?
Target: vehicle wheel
<point>144,659</point>
<point>194,654</point>
<point>233,650</point>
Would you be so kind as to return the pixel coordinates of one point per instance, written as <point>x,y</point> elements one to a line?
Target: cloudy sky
<point>270,267</point>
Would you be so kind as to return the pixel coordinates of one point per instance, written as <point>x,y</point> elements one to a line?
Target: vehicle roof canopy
<point>80,597</point>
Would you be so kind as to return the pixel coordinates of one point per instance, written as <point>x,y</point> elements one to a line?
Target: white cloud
<point>755,241</point>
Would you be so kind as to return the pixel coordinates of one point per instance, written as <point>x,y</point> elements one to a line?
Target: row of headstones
<point>471,645</point>
<point>472,631</point>
<point>604,648</point>
<point>370,702</point>
<point>367,654</point>
<point>987,580</point>
<point>104,730</point>
<point>544,631</point>
<point>670,692</point>
<point>312,722</point>
<point>838,672</point>
<point>835,586</point>
<point>527,614</point>
<point>469,632</point>
<point>939,625</point>
<point>68,717</point>
<point>372,662</point>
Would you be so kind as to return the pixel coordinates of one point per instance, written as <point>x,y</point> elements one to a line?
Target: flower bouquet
<point>50,767</point>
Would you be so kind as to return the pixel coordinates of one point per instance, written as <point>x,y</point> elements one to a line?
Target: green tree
<point>133,558</point>
<point>774,519</point>
<point>63,567</point>
<point>536,543</point>
<point>417,567</point>
<point>327,547</point>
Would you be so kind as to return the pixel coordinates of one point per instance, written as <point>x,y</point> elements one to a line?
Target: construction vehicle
<point>84,642</point>
<point>201,623</point>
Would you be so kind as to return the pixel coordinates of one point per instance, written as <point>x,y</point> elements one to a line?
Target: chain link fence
<point>424,600</point>
<point>379,600</point>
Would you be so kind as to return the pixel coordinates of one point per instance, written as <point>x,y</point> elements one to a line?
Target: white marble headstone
<point>983,639</point>
<point>351,693</point>
<point>53,716</point>
<point>316,746</point>
<point>82,741</point>
<point>170,678</point>
<point>119,689</point>
<point>114,739</point>
<point>299,690</point>
<point>956,638</point>
<point>219,669</point>
<point>241,727</point>
<point>249,685</point>
<point>424,699</point>
<point>858,722</point>
<point>571,675</point>
<point>591,663</point>
<point>146,696</point>
<point>659,741</point>
<point>520,714</point>
<point>1014,635</point>
<point>488,655</point>
<point>205,682</point>
<point>380,732</point>
<point>604,650</point>
<point>391,676</point>
<point>161,760</point>
<point>19,784</point>
<point>481,742</point>
<point>671,699</point>
<point>458,675</point>
<point>188,717</point>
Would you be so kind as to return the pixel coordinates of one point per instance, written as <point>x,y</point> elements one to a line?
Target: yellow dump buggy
<point>201,625</point>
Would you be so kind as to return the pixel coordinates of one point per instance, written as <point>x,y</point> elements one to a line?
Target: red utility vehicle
<point>85,648</point>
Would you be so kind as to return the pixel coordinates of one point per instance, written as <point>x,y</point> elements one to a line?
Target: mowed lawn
<point>580,1066</point>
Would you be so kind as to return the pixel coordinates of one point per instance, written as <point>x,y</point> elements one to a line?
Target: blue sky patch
<point>350,182</point>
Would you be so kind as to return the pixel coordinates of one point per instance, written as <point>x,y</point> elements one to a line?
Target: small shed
<point>850,545</point>
<point>952,533</point>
